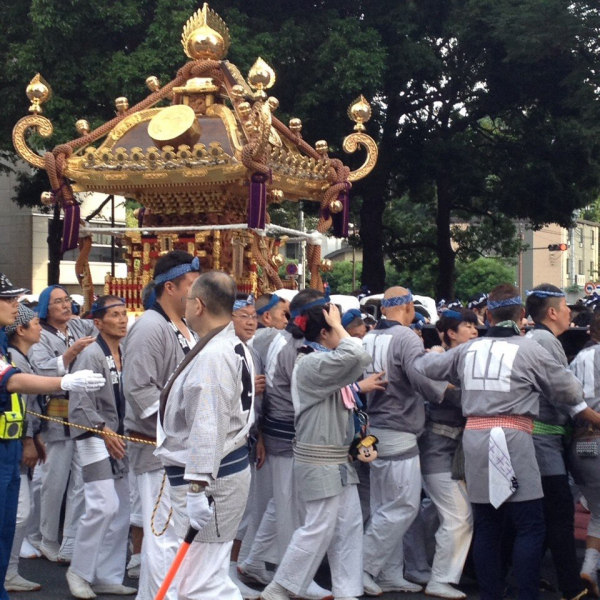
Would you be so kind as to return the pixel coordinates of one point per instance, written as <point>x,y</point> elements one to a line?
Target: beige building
<point>575,266</point>
<point>24,242</point>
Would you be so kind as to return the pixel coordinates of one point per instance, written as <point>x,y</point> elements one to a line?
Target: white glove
<point>199,511</point>
<point>82,381</point>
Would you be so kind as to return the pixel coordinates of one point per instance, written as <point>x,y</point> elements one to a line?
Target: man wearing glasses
<point>63,339</point>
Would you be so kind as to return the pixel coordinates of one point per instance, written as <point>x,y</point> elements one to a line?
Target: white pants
<point>23,512</point>
<point>33,523</point>
<point>62,473</point>
<point>419,543</point>
<point>592,497</point>
<point>453,537</point>
<point>100,552</point>
<point>332,526</point>
<point>204,574</point>
<point>157,552</point>
<point>395,500</point>
<point>282,515</point>
<point>135,502</point>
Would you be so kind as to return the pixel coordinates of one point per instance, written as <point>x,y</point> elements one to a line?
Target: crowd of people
<point>265,436</point>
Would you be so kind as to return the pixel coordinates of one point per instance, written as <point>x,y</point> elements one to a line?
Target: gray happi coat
<point>44,358</point>
<point>151,352</point>
<point>207,416</point>
<point>400,407</point>
<point>96,409</point>
<point>321,417</point>
<point>586,367</point>
<point>549,449</point>
<point>502,374</point>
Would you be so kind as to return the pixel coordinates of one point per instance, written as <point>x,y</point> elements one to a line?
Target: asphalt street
<point>52,578</point>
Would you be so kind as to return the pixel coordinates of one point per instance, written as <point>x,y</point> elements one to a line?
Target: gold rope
<point>92,430</point>
<point>156,505</point>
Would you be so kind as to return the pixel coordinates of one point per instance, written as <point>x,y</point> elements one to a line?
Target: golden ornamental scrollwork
<point>351,145</point>
<point>41,126</point>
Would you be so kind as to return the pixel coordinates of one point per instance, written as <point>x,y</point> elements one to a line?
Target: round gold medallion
<point>175,125</point>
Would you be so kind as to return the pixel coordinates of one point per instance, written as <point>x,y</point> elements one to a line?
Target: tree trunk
<point>445,254</point>
<point>55,230</point>
<point>375,195</point>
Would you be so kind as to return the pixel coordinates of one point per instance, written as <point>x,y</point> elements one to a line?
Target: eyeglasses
<point>253,317</point>
<point>61,301</point>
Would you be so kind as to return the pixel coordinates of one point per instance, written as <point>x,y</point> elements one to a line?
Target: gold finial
<point>47,198</point>
<point>326,265</point>
<point>121,104</point>
<point>205,35</point>
<point>273,103</point>
<point>153,83</point>
<point>237,91</point>
<point>261,76</point>
<point>82,126</point>
<point>295,125</point>
<point>336,207</point>
<point>244,109</point>
<point>322,147</point>
<point>360,112</point>
<point>38,91</point>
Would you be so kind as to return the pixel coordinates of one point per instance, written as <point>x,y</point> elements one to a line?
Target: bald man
<point>397,417</point>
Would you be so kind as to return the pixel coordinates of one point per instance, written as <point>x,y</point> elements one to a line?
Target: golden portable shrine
<point>205,157</point>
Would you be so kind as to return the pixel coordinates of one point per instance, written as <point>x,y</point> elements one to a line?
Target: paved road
<point>52,577</point>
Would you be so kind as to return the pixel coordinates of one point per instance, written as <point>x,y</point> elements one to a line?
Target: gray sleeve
<point>440,366</point>
<point>551,344</point>
<point>83,405</point>
<point>328,372</point>
<point>44,358</point>
<point>410,351</point>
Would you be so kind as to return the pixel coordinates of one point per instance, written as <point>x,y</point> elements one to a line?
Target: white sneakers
<point>79,587</point>
<point>16,583</point>
<point>443,590</point>
<point>255,573</point>
<point>398,584</point>
<point>114,589</point>
<point>247,592</point>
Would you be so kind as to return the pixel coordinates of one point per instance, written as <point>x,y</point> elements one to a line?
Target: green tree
<point>340,278</point>
<point>481,275</point>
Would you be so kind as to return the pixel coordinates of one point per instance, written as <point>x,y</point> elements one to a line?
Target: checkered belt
<point>58,408</point>
<point>506,421</point>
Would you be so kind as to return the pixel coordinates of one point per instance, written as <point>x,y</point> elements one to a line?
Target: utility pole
<point>302,257</point>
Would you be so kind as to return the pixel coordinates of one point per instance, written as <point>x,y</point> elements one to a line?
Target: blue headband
<point>545,294</point>
<point>96,308</point>
<point>397,300</point>
<point>239,304</point>
<point>274,301</point>
<point>42,308</point>
<point>515,301</point>
<point>475,303</point>
<point>317,302</point>
<point>178,271</point>
<point>349,316</point>
<point>452,314</point>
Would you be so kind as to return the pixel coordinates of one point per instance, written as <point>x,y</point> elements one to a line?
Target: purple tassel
<point>257,205</point>
<point>141,214</point>
<point>340,220</point>
<point>71,227</point>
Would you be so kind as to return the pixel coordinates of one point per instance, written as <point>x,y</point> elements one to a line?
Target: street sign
<point>589,288</point>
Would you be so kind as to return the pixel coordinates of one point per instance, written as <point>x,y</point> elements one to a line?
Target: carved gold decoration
<point>38,91</point>
<point>205,35</point>
<point>198,85</point>
<point>42,126</point>
<point>351,144</point>
<point>336,207</point>
<point>326,266</point>
<point>295,125</point>
<point>244,109</point>
<point>216,236</point>
<point>237,91</point>
<point>174,126</point>
<point>122,104</point>
<point>153,83</point>
<point>47,198</point>
<point>82,127</point>
<point>273,103</point>
<point>278,260</point>
<point>261,76</point>
<point>322,147</point>
<point>360,112</point>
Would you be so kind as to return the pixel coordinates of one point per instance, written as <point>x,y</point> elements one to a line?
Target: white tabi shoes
<point>114,589</point>
<point>314,592</point>
<point>443,590</point>
<point>274,591</point>
<point>369,585</point>
<point>79,587</point>
<point>134,566</point>
<point>247,592</point>
<point>254,573</point>
<point>398,584</point>
<point>28,550</point>
<point>65,553</point>
<point>50,550</point>
<point>16,583</point>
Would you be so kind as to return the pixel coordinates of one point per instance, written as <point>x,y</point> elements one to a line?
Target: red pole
<point>183,550</point>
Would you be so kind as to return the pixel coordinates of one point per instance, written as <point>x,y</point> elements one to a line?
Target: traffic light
<point>558,247</point>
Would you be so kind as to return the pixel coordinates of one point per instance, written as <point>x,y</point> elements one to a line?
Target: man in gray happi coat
<point>502,377</point>
<point>206,413</point>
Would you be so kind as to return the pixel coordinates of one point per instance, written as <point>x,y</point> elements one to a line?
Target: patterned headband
<point>545,294</point>
<point>96,308</point>
<point>178,271</point>
<point>238,304</point>
<point>397,300</point>
<point>475,303</point>
<point>514,301</point>
<point>274,301</point>
<point>318,302</point>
